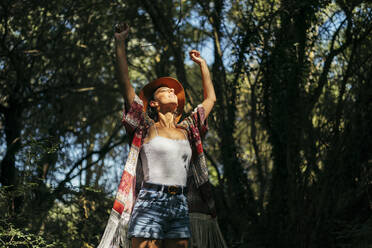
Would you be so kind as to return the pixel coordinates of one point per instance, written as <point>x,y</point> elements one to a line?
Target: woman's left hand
<point>195,56</point>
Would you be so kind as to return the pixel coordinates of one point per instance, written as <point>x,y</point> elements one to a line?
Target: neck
<point>166,120</point>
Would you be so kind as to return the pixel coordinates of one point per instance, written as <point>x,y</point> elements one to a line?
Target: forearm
<point>123,74</point>
<point>207,83</point>
<point>209,94</point>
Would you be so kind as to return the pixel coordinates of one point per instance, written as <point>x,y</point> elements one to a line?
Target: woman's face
<point>165,96</point>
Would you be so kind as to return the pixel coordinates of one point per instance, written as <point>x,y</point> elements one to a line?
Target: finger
<point>193,57</point>
<point>192,52</point>
<point>196,52</point>
<point>121,27</point>
<point>117,28</point>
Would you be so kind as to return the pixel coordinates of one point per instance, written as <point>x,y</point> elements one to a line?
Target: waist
<point>170,189</point>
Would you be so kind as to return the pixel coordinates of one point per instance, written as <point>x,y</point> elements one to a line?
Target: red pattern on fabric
<point>136,140</point>
<point>199,148</point>
<point>126,183</point>
<point>118,206</point>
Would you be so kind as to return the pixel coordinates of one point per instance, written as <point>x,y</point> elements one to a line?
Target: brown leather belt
<point>170,189</point>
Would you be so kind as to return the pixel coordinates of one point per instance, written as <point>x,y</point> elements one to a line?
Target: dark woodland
<point>289,145</point>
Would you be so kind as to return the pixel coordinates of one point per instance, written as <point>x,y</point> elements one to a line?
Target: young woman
<point>163,154</point>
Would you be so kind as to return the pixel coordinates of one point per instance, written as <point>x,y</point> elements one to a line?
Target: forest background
<point>289,146</point>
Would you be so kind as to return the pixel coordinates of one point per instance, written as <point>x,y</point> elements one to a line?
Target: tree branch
<point>106,147</point>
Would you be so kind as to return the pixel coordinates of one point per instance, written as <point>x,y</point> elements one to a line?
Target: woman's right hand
<point>121,32</point>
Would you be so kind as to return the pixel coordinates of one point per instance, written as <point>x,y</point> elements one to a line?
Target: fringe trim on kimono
<point>115,235</point>
<point>205,232</point>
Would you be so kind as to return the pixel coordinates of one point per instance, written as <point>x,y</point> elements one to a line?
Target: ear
<point>153,103</point>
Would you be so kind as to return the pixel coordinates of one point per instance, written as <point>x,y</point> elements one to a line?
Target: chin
<point>174,101</point>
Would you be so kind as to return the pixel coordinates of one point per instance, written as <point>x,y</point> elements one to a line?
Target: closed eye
<point>162,90</point>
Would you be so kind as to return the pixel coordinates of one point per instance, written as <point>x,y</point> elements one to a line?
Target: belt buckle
<point>172,189</point>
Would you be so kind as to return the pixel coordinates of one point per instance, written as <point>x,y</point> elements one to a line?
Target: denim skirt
<point>159,215</point>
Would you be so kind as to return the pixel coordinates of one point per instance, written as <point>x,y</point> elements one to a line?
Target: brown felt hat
<point>148,90</point>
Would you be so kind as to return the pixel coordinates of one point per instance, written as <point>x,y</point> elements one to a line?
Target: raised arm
<point>121,33</point>
<point>209,95</point>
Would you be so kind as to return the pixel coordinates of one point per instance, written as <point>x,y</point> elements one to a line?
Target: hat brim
<point>148,90</point>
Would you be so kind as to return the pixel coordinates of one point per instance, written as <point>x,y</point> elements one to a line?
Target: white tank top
<point>166,161</point>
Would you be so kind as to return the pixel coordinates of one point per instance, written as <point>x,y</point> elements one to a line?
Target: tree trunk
<point>9,172</point>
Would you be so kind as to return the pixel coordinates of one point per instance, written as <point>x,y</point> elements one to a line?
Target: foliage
<point>12,237</point>
<point>288,146</point>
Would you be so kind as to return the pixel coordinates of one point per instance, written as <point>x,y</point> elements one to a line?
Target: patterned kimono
<point>137,123</point>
